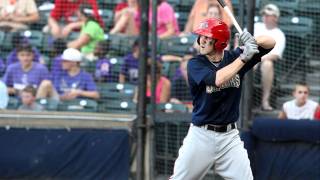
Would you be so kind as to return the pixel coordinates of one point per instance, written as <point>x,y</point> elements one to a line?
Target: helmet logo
<point>203,25</point>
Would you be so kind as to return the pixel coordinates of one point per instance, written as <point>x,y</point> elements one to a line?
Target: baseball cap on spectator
<point>270,9</point>
<point>71,54</point>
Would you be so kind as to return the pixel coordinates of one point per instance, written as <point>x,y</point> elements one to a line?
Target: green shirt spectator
<point>93,29</point>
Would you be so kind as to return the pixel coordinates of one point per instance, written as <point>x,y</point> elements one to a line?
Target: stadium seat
<point>35,38</point>
<point>117,87</point>
<point>308,7</point>
<point>170,107</point>
<point>107,95</point>
<point>79,105</point>
<point>176,45</point>
<point>296,26</point>
<point>2,36</point>
<point>107,17</point>
<point>49,104</point>
<point>117,106</point>
<point>13,103</point>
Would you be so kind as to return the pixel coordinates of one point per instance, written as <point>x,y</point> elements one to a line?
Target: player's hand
<point>245,37</point>
<point>249,49</point>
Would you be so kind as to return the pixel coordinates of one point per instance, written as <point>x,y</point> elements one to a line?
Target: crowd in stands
<point>29,77</point>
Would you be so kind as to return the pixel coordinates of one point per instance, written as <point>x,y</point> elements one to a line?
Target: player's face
<point>301,94</point>
<point>206,45</point>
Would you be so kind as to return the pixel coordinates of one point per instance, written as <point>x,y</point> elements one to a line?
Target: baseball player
<point>215,78</point>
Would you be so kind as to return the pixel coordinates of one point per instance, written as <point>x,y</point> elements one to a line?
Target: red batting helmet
<point>215,29</point>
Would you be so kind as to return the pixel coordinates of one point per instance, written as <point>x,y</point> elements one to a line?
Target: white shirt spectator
<point>304,112</point>
<point>276,33</point>
<point>3,95</point>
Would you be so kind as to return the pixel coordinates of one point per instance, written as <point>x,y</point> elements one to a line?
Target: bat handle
<point>221,2</point>
<point>234,21</point>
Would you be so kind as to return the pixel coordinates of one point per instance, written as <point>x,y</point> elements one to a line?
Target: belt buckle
<point>229,127</point>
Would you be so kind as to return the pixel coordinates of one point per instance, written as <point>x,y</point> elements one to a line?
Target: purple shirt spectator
<point>2,66</point>
<point>13,58</point>
<point>103,71</point>
<point>130,69</point>
<point>17,78</point>
<point>64,82</point>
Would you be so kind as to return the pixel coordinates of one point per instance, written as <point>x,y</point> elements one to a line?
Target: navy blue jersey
<point>212,104</point>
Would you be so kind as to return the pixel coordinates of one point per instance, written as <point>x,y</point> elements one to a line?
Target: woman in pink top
<point>167,24</point>
<point>163,88</point>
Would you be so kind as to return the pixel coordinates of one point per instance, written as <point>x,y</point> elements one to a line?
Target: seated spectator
<point>59,45</point>
<point>127,19</point>
<point>130,68</point>
<point>301,107</point>
<point>317,114</point>
<point>71,83</point>
<point>2,67</point>
<point>214,11</point>
<point>91,32</point>
<point>163,85</point>
<point>4,98</point>
<point>67,9</point>
<point>25,72</point>
<point>118,9</point>
<point>167,24</point>
<point>270,17</point>
<point>180,87</point>
<point>16,15</point>
<point>103,65</point>
<point>17,40</point>
<point>199,12</point>
<point>28,98</point>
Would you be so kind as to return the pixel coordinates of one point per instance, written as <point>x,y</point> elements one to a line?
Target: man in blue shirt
<point>215,79</point>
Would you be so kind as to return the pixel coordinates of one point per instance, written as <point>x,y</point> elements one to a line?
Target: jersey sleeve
<point>255,60</point>
<point>7,78</point>
<point>200,73</point>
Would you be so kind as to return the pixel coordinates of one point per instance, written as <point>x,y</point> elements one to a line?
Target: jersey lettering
<point>233,82</point>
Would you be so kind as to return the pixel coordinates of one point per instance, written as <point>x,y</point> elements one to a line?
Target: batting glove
<point>249,49</point>
<point>245,37</point>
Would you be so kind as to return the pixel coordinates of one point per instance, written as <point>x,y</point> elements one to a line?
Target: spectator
<point>59,45</point>
<point>91,32</point>
<point>16,15</point>
<point>103,66</point>
<point>167,24</point>
<point>72,82</point>
<point>18,39</point>
<point>28,98</point>
<point>25,72</point>
<point>214,11</point>
<point>199,12</point>
<point>270,16</point>
<point>317,114</point>
<point>129,70</point>
<point>163,85</point>
<point>301,107</point>
<point>127,19</point>
<point>118,9</point>
<point>67,9</point>
<point>180,87</point>
<point>4,98</point>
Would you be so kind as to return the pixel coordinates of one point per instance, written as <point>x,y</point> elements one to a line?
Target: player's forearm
<point>225,74</point>
<point>266,42</point>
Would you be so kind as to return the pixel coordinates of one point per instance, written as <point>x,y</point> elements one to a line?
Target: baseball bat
<point>231,16</point>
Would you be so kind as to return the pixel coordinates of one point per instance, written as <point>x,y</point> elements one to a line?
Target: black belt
<point>220,128</point>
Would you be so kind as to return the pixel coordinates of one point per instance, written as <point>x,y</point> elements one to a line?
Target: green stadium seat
<point>296,26</point>
<point>117,106</point>
<point>117,87</point>
<point>107,17</point>
<point>13,103</point>
<point>78,105</point>
<point>2,36</point>
<point>176,45</point>
<point>170,107</point>
<point>49,104</point>
<point>308,7</point>
<point>107,94</point>
<point>287,7</point>
<point>35,37</point>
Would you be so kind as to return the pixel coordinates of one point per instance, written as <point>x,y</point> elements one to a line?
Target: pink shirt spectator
<point>159,88</point>
<point>165,15</point>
